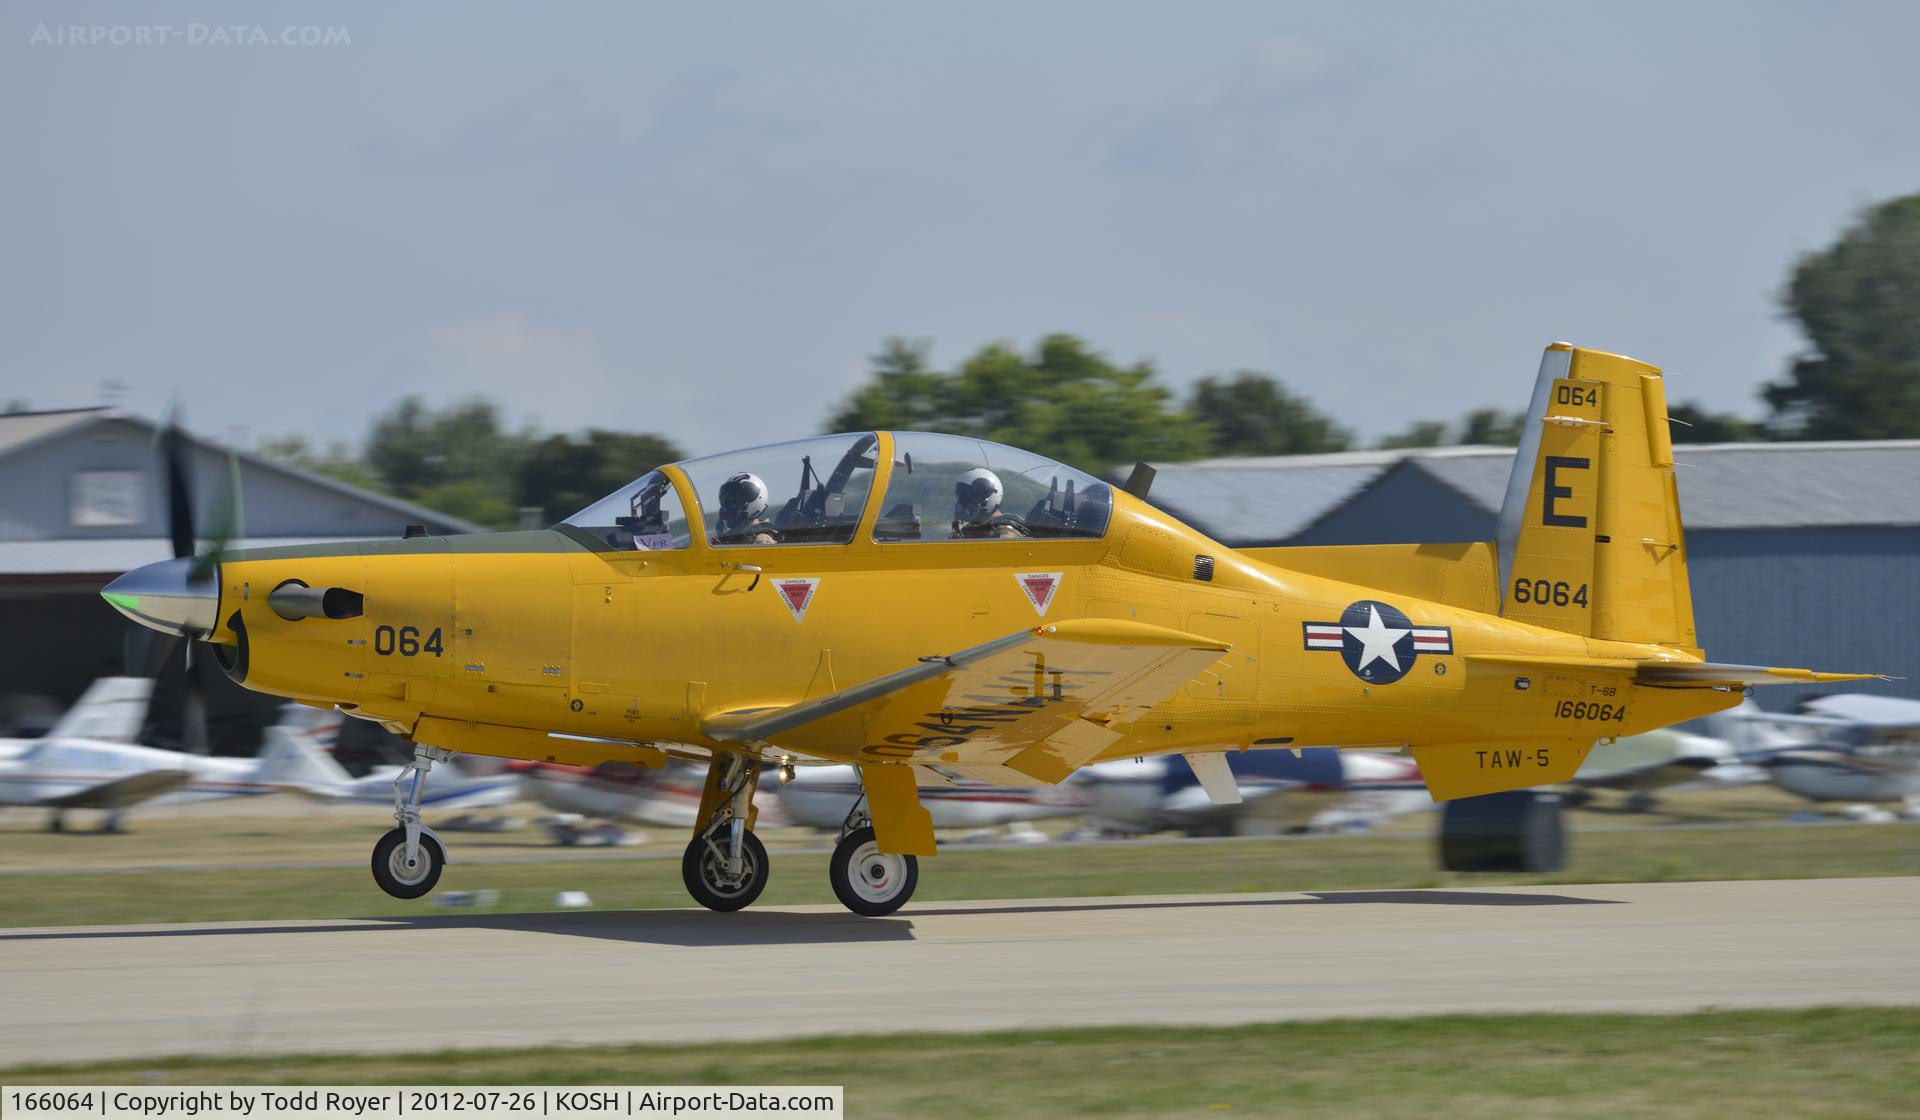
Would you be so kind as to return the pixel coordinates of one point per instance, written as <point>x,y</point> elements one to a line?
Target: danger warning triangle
<point>797,594</point>
<point>1039,587</point>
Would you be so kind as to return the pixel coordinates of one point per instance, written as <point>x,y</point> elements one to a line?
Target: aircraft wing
<point>1036,705</point>
<point>121,792</point>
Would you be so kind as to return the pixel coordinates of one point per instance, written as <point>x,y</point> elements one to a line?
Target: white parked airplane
<point>87,762</point>
<point>1642,766</point>
<point>821,796</point>
<point>1322,790</point>
<point>465,784</point>
<point>1846,747</point>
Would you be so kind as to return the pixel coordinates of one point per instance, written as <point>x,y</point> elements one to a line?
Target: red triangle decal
<point>1039,587</point>
<point>797,593</point>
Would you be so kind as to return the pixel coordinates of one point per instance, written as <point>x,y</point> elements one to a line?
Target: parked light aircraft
<point>1319,789</point>
<point>62,772</point>
<point>932,607</point>
<point>475,785</point>
<point>1848,747</point>
<point>618,793</point>
<point>1642,766</point>
<point>822,796</point>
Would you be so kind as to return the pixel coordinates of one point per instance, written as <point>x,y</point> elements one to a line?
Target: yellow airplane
<point>932,608</point>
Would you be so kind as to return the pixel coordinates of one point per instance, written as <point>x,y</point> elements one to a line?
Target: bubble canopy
<point>816,491</point>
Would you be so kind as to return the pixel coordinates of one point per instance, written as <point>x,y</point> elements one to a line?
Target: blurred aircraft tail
<point>1590,540</point>
<point>113,709</point>
<point>296,759</point>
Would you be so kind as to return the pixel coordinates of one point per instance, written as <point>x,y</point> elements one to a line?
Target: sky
<point>702,220</point>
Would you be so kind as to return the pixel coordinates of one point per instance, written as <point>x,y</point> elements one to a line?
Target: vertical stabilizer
<point>1590,539</point>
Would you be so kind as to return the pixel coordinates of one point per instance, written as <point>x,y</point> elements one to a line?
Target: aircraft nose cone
<point>164,597</point>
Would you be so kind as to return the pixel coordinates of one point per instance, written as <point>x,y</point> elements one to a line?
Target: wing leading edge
<point>1036,705</point>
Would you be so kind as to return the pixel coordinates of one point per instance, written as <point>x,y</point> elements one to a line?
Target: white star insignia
<point>1377,641</point>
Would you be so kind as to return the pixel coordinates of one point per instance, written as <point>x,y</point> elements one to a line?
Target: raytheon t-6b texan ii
<point>934,608</point>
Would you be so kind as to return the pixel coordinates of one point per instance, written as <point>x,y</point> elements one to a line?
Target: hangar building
<point>81,501</point>
<point>1801,554</point>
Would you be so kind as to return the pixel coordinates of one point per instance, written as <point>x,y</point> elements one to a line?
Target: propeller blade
<point>193,705</point>
<point>173,463</point>
<point>226,524</point>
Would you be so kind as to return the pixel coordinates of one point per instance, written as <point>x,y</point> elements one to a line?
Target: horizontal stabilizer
<point>1670,674</point>
<point>1707,674</point>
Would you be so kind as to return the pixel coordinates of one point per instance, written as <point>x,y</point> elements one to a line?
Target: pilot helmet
<point>743,499</point>
<point>976,496</point>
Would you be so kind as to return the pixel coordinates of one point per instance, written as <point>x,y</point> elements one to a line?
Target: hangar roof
<point>45,456</point>
<point>1722,486</point>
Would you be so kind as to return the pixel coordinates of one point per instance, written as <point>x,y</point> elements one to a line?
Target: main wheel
<point>868,881</point>
<point>704,870</point>
<point>402,879</point>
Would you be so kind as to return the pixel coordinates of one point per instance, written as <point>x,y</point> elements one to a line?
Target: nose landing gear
<point>407,861</point>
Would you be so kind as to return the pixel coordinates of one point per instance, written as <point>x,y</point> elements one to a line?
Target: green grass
<point>1350,863</point>
<point>1820,1063</point>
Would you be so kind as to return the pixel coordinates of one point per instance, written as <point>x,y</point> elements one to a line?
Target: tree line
<point>1858,378</point>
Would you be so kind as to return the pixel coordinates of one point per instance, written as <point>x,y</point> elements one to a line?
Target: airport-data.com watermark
<point>186,35</point>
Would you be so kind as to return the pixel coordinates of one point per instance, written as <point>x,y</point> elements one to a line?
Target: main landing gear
<point>866,880</point>
<point>725,866</point>
<point>407,861</point>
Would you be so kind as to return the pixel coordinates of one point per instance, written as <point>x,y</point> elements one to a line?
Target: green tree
<point>1423,433</point>
<point>1697,425</point>
<point>1492,427</point>
<point>460,460</point>
<point>1252,414</point>
<point>562,473</point>
<point>338,461</point>
<point>1856,301</point>
<point>1064,400</point>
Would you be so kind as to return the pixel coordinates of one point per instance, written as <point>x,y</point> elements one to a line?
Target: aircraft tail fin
<point>113,709</point>
<point>1590,539</point>
<point>295,759</point>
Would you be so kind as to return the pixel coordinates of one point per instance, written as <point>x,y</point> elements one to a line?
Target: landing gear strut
<point>866,880</point>
<point>725,867</point>
<point>407,861</point>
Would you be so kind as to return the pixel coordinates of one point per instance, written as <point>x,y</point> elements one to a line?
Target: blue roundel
<point>1376,641</point>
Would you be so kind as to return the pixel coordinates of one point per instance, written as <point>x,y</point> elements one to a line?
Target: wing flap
<point>1035,705</point>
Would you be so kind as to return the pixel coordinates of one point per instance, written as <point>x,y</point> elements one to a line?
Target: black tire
<point>700,867</point>
<point>391,872</point>
<point>865,881</point>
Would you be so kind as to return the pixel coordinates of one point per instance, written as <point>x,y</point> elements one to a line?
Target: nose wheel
<point>404,876</point>
<point>407,861</point>
<point>868,881</point>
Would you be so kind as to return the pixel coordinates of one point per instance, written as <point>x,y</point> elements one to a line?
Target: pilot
<point>743,510</point>
<point>976,508</point>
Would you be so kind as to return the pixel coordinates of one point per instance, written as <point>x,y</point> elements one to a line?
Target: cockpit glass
<point>644,516</point>
<point>811,491</point>
<point>956,488</point>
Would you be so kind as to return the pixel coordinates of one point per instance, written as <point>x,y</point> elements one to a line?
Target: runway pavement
<point>484,980</point>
